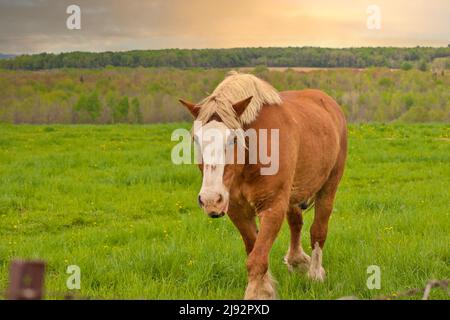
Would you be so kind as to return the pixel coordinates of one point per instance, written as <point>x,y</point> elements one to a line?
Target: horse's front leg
<point>246,225</point>
<point>260,284</point>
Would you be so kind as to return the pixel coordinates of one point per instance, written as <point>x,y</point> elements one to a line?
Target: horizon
<point>230,48</point>
<point>38,26</point>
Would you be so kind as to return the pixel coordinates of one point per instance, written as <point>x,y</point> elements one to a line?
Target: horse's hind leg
<point>296,258</point>
<point>322,210</point>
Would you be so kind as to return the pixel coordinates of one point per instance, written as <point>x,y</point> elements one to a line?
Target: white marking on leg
<point>261,288</point>
<point>316,271</point>
<point>297,260</point>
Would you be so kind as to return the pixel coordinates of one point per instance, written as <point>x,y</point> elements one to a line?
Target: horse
<point>312,142</point>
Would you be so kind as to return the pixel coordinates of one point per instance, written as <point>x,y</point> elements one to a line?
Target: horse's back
<point>317,111</point>
<point>313,102</point>
<point>321,136</point>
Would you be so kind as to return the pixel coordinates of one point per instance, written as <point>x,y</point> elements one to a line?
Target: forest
<point>150,95</point>
<point>389,57</point>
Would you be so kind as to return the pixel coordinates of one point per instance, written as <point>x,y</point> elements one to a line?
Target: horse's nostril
<point>216,214</point>
<point>220,198</point>
<point>200,203</point>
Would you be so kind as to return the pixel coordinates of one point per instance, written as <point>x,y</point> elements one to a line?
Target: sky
<point>33,26</point>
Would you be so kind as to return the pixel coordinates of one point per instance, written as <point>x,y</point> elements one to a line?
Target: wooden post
<point>26,280</point>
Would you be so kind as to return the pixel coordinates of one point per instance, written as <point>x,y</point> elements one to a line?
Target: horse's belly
<point>314,167</point>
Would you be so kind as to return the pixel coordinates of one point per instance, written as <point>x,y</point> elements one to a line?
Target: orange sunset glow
<point>30,26</point>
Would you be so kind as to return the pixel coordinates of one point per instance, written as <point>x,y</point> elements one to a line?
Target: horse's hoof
<point>299,263</point>
<point>317,274</point>
<point>289,266</point>
<point>261,289</point>
<point>260,296</point>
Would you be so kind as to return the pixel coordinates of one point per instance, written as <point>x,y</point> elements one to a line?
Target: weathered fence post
<point>26,280</point>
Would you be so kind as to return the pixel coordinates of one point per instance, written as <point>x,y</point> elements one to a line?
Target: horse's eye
<point>232,141</point>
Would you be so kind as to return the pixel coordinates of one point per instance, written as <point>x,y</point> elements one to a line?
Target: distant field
<point>299,69</point>
<point>150,95</point>
<point>108,199</point>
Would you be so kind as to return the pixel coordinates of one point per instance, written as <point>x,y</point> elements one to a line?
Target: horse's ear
<point>239,107</point>
<point>193,109</point>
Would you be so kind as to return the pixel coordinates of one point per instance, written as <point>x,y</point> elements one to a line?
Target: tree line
<point>231,58</point>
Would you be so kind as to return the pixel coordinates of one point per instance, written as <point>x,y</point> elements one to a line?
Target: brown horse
<point>312,142</point>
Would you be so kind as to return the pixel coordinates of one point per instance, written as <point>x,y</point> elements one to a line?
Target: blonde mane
<point>237,87</point>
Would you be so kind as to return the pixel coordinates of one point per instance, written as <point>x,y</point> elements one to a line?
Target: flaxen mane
<point>237,87</point>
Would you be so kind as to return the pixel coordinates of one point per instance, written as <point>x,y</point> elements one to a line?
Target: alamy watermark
<point>374,19</point>
<point>74,280</point>
<point>374,279</point>
<point>218,146</point>
<point>73,22</point>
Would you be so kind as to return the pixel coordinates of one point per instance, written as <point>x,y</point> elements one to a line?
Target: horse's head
<point>217,149</point>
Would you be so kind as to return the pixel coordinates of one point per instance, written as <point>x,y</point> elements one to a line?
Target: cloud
<point>40,25</point>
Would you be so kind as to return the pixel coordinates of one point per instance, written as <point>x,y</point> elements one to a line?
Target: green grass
<point>108,199</point>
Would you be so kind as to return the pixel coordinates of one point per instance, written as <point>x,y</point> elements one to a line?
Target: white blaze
<point>211,142</point>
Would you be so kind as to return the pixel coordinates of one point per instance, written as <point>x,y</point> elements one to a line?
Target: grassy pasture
<point>108,199</point>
